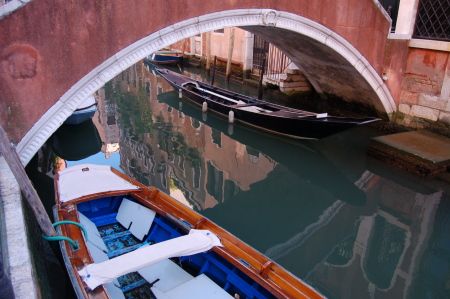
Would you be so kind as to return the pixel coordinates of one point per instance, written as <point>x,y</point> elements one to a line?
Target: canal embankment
<point>16,252</point>
<point>419,152</point>
<point>30,263</point>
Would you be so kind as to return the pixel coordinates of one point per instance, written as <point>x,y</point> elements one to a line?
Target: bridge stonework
<point>54,54</point>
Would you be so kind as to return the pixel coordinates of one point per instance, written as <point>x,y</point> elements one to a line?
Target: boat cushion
<point>170,275</point>
<point>90,226</point>
<point>139,217</point>
<point>92,232</point>
<point>160,294</point>
<point>99,256</point>
<point>200,287</point>
<point>114,291</point>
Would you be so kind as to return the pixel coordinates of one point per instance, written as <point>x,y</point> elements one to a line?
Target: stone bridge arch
<point>338,55</point>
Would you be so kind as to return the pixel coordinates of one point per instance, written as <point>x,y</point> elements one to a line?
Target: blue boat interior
<point>161,58</point>
<point>114,239</point>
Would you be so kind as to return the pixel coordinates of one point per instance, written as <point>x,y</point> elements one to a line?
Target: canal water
<point>349,225</point>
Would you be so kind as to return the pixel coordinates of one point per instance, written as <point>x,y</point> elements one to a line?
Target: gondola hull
<point>261,114</point>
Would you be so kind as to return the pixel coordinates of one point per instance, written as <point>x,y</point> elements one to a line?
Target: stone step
<point>419,152</point>
<point>251,82</point>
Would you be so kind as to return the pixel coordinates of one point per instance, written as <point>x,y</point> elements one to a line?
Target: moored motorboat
<point>165,57</point>
<point>84,112</point>
<point>125,238</point>
<point>263,115</point>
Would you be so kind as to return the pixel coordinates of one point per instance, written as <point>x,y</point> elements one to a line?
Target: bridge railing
<point>391,7</point>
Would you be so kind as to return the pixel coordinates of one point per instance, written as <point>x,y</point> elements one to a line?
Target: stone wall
<point>424,102</point>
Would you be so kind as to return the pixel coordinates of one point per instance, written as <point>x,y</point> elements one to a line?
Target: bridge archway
<point>326,58</point>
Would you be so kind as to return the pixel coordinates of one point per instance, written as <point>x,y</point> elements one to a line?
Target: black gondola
<point>261,114</point>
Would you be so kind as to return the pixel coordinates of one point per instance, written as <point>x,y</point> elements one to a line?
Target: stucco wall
<point>425,88</point>
<point>220,44</point>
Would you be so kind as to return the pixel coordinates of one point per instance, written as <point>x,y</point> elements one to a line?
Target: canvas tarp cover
<point>77,181</point>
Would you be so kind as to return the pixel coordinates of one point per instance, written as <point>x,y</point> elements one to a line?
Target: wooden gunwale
<point>80,257</point>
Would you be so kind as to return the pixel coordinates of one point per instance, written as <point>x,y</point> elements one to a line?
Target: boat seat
<point>92,232</point>
<point>176,283</point>
<point>200,287</point>
<point>88,225</point>
<point>160,294</point>
<point>114,291</point>
<point>136,218</point>
<point>170,275</point>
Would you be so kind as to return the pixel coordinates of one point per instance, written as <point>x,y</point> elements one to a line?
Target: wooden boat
<point>84,112</point>
<point>164,57</point>
<point>261,114</point>
<point>135,240</point>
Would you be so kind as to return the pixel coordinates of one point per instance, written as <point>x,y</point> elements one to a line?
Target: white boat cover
<point>87,103</point>
<point>85,179</point>
<point>195,242</point>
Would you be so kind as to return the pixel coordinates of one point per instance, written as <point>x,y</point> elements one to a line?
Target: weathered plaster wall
<point>424,90</point>
<point>396,56</point>
<point>219,40</point>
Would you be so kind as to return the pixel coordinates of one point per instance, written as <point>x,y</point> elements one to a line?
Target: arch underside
<point>331,64</point>
<point>328,71</point>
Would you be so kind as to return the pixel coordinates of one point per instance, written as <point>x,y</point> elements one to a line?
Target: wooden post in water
<point>184,46</point>
<point>214,70</point>
<point>260,87</point>
<point>13,160</point>
<point>208,52</point>
<point>230,54</point>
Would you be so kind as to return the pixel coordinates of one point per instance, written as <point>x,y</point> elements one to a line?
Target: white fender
<point>205,107</point>
<point>230,129</point>
<point>231,116</point>
<point>180,93</point>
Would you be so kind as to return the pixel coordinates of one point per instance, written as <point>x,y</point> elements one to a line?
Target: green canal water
<point>349,225</point>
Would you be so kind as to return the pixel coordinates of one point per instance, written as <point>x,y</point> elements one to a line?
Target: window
<point>433,20</point>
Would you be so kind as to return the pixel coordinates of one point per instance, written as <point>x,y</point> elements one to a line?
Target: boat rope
<point>62,238</point>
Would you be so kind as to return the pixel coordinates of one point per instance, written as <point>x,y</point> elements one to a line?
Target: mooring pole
<point>260,87</point>
<point>214,70</point>
<point>230,55</point>
<point>13,160</point>
<point>208,52</point>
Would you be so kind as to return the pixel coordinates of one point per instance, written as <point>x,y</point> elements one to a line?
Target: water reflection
<point>350,226</point>
<point>74,143</point>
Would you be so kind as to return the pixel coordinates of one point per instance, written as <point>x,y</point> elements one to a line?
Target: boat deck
<point>118,241</point>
